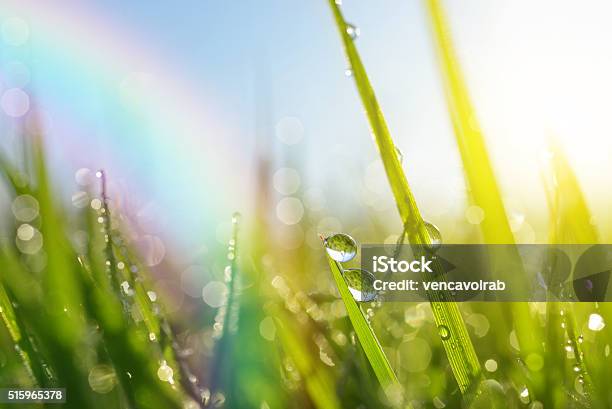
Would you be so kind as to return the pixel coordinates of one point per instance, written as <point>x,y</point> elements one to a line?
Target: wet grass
<point>86,316</point>
<point>458,347</point>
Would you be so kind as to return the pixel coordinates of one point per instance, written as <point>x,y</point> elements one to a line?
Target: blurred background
<point>167,98</point>
<point>199,109</point>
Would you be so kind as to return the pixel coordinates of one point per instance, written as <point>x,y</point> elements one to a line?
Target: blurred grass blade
<point>318,382</point>
<point>570,223</point>
<point>22,345</point>
<point>227,315</point>
<point>461,354</point>
<point>479,172</point>
<point>484,191</point>
<point>572,218</point>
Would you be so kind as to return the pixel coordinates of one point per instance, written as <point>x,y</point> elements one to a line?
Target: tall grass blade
<point>460,351</point>
<point>367,338</point>
<point>570,223</point>
<point>485,192</point>
<point>318,382</point>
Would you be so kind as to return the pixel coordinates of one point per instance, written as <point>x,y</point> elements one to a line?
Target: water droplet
<point>580,339</point>
<point>444,332</point>
<point>607,350</point>
<point>434,235</point>
<point>152,296</point>
<point>96,204</point>
<point>360,284</point>
<point>152,336</point>
<point>524,395</point>
<point>341,247</point>
<point>400,155</point>
<point>165,373</point>
<point>352,30</point>
<point>596,322</point>
<point>236,217</point>
<point>348,72</point>
<point>125,287</point>
<point>576,368</point>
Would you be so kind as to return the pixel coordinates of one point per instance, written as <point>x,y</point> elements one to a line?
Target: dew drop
<point>576,368</point>
<point>152,296</point>
<point>165,373</point>
<point>236,218</point>
<point>524,394</point>
<point>352,31</point>
<point>348,72</point>
<point>341,247</point>
<point>400,155</point>
<point>434,235</point>
<point>580,339</point>
<point>444,332</point>
<point>360,284</point>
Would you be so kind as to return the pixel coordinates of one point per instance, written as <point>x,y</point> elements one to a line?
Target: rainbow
<point>140,119</point>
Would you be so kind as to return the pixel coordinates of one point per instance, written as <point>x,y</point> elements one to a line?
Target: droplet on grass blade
<point>165,373</point>
<point>400,155</point>
<point>444,332</point>
<point>348,72</point>
<point>341,247</point>
<point>360,284</point>
<point>434,235</point>
<point>353,31</point>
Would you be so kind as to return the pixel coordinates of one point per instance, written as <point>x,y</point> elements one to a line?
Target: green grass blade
<point>365,334</point>
<point>461,354</point>
<point>479,173</point>
<point>484,191</point>
<point>317,380</point>
<point>570,223</point>
<point>227,314</point>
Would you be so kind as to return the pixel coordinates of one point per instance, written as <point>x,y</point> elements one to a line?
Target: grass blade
<point>460,351</point>
<point>570,223</point>
<point>317,381</point>
<point>367,338</point>
<point>485,192</point>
